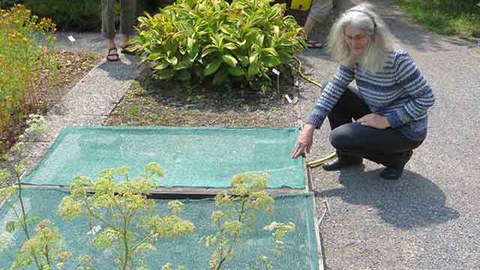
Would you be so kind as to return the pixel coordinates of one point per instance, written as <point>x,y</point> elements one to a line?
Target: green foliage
<point>236,216</point>
<point>9,3</point>
<point>278,232</point>
<point>69,14</point>
<point>24,64</point>
<point>130,226</point>
<point>45,246</point>
<point>225,43</point>
<point>82,15</point>
<point>459,18</point>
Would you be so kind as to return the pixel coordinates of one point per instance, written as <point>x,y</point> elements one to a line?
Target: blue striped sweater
<point>400,93</point>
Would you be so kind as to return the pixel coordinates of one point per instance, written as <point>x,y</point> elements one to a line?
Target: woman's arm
<point>330,95</point>
<point>421,96</point>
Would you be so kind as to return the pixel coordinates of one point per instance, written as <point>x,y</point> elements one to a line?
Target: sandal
<point>313,44</point>
<point>112,55</point>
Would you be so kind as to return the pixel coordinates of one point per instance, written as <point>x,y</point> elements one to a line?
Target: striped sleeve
<point>420,94</point>
<point>330,95</point>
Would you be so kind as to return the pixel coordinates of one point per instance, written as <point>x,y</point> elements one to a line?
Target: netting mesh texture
<point>191,157</point>
<point>300,251</point>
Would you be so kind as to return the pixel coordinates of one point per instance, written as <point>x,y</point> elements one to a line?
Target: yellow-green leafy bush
<point>26,60</point>
<point>235,43</point>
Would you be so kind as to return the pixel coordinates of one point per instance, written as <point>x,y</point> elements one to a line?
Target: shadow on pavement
<point>124,69</point>
<point>411,202</point>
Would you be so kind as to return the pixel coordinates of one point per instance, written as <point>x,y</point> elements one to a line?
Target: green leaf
<point>10,226</point>
<point>276,29</point>
<point>230,46</point>
<point>271,51</point>
<point>236,71</point>
<point>253,57</point>
<point>243,60</point>
<point>183,65</point>
<point>226,30</point>
<point>212,67</point>
<point>220,77</point>
<point>270,61</point>
<point>208,50</point>
<point>172,60</point>
<point>260,39</point>
<point>253,70</point>
<point>190,43</point>
<point>164,74</point>
<point>229,60</point>
<point>160,65</point>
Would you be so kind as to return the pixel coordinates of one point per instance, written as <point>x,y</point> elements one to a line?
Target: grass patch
<point>449,17</point>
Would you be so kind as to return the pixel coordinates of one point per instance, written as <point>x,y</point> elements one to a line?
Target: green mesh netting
<point>300,251</point>
<point>191,157</point>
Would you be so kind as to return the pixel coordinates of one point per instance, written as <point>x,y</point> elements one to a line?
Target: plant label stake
<point>288,98</point>
<point>72,39</point>
<point>277,72</point>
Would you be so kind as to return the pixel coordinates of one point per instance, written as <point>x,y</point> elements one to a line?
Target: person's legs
<point>309,24</point>
<point>108,28</point>
<point>127,19</point>
<point>348,107</point>
<point>388,147</point>
<point>318,12</point>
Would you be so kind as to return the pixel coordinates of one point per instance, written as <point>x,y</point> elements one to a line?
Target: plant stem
<point>142,241</point>
<point>230,248</point>
<point>23,218</point>
<point>49,263</point>
<point>125,243</point>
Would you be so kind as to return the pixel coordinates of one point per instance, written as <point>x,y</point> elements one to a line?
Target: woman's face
<point>356,40</point>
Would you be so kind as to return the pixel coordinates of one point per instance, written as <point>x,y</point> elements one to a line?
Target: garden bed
<point>152,102</point>
<point>71,68</point>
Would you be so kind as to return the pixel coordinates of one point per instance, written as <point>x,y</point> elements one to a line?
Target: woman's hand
<point>304,141</point>
<point>374,120</point>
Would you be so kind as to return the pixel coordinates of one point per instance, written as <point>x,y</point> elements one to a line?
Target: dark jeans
<point>388,147</point>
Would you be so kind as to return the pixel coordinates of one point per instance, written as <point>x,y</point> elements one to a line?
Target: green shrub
<point>231,44</point>
<point>69,14</point>
<point>457,18</point>
<point>82,15</point>
<point>9,3</point>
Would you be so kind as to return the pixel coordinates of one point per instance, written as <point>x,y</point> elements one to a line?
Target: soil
<point>152,102</point>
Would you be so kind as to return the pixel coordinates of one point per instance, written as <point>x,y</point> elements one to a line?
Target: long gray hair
<point>364,18</point>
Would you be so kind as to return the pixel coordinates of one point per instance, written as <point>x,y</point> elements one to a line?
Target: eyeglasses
<point>356,37</point>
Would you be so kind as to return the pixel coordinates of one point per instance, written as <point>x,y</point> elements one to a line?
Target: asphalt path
<point>429,219</point>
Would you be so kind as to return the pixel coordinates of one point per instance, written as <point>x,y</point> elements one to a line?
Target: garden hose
<point>320,161</point>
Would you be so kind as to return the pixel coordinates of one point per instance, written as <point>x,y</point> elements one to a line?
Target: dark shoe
<point>390,173</point>
<point>338,163</point>
<point>112,55</point>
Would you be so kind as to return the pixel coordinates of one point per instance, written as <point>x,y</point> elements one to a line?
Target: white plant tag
<point>288,99</point>
<point>275,71</point>
<point>71,38</point>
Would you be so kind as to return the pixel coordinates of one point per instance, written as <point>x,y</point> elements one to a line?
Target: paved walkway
<point>91,100</point>
<point>427,220</point>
